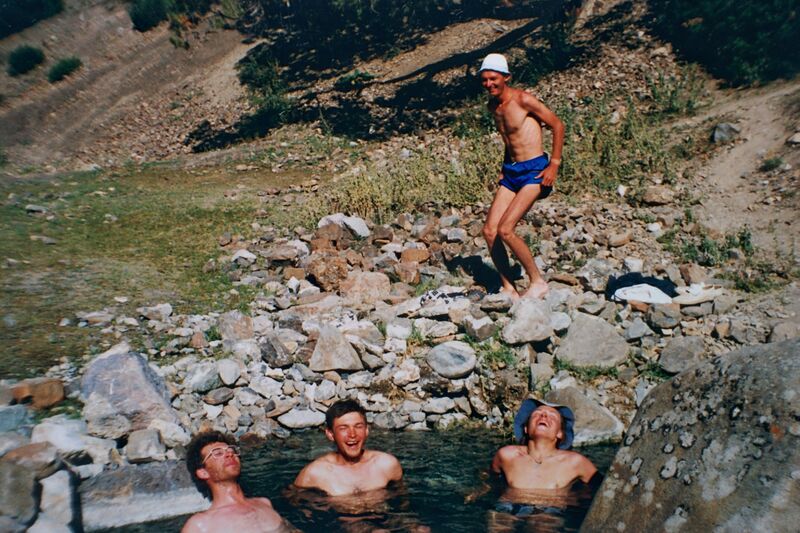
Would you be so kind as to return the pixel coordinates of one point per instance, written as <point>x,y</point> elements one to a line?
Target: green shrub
<point>23,59</point>
<point>63,68</point>
<point>146,14</point>
<point>16,15</point>
<point>353,80</point>
<point>742,42</point>
<point>770,164</point>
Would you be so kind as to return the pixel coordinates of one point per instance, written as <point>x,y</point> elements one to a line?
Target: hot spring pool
<point>440,469</point>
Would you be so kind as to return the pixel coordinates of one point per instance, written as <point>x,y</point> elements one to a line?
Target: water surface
<point>440,470</point>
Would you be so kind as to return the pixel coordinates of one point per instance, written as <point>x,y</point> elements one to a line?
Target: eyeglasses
<point>220,452</point>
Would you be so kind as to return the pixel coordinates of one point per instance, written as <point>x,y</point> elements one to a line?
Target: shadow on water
<point>440,470</point>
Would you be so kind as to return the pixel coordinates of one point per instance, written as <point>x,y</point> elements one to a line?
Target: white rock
<point>229,371</point>
<point>171,434</point>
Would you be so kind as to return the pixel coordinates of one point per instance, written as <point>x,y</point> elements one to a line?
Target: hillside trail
<point>730,199</point>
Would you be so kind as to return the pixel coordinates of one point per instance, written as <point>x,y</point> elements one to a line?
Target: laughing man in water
<point>528,174</point>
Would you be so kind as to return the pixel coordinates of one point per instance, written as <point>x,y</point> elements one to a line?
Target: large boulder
<point>716,448</point>
<point>122,393</point>
<point>134,494</point>
<point>591,341</point>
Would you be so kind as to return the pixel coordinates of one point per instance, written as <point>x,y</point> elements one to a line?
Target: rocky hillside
<point>396,308</point>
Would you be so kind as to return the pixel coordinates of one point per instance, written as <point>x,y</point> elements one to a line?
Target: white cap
<point>496,62</point>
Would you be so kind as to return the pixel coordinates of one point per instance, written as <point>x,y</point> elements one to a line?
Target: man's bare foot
<point>537,289</point>
<point>510,292</point>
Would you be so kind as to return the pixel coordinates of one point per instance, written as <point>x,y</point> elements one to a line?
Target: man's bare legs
<point>506,211</point>
<point>502,199</point>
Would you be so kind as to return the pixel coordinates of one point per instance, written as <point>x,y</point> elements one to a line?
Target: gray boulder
<point>595,273</point>
<point>682,353</point>
<point>12,417</point>
<point>716,448</point>
<point>532,321</point>
<point>724,132</point>
<point>333,352</point>
<point>119,388</point>
<point>202,377</point>
<point>665,316</point>
<point>274,353</point>
<point>479,328</point>
<point>452,360</point>
<point>144,446</point>
<point>591,341</point>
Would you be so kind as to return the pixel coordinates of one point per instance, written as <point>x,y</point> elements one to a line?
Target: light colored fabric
<point>642,293</point>
<point>496,62</point>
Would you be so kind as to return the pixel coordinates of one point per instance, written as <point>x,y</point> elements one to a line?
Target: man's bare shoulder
<point>383,458</point>
<point>511,451</point>
<point>198,523</point>
<point>310,474</point>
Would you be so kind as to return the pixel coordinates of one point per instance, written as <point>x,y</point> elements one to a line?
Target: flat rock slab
<point>591,341</point>
<point>715,448</point>
<point>134,494</point>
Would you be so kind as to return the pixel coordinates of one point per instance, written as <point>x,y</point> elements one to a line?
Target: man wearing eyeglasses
<point>213,462</point>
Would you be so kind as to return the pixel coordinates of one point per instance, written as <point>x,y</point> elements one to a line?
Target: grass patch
<point>585,373</point>
<point>493,352</point>
<point>381,193</point>
<point>166,228</point>
<point>653,371</point>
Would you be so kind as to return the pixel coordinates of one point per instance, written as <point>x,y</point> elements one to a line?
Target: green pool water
<point>440,469</point>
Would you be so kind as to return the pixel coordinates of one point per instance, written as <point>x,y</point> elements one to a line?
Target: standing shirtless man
<point>527,174</point>
<point>352,468</point>
<point>213,461</point>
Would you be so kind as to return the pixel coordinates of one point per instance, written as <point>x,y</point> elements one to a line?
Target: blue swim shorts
<point>523,510</point>
<point>522,173</point>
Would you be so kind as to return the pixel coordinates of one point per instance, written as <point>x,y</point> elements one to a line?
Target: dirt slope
<point>733,192</point>
<point>135,98</point>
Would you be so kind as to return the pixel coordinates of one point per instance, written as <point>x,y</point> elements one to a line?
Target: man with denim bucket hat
<point>542,459</point>
<point>527,174</point>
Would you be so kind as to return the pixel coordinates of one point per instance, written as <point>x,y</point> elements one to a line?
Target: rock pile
<point>350,311</point>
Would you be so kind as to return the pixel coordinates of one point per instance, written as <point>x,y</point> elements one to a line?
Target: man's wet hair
<point>194,458</point>
<point>341,408</point>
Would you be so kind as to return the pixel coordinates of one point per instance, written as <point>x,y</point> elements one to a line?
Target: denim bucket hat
<point>527,408</point>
